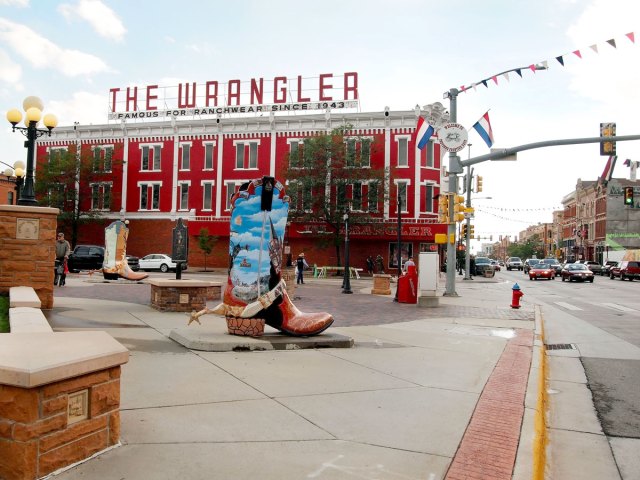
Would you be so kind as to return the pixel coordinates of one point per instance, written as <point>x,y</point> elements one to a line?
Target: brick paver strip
<point>489,445</point>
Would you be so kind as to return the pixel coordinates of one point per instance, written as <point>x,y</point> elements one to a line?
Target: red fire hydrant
<point>515,297</point>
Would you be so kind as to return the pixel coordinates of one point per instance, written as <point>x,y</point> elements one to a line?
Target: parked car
<point>625,270</point>
<point>86,257</point>
<point>159,261</point>
<point>609,264</point>
<point>514,263</point>
<point>496,265</point>
<point>541,270</point>
<point>595,267</point>
<point>484,267</point>
<point>133,262</point>
<point>578,272</point>
<point>528,263</point>
<point>553,263</point>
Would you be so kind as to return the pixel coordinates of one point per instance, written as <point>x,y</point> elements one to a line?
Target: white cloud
<point>14,3</point>
<point>83,107</point>
<point>101,18</point>
<point>42,53</point>
<point>10,72</point>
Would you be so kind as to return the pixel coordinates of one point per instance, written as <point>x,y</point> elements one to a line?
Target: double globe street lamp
<point>17,172</point>
<point>33,107</point>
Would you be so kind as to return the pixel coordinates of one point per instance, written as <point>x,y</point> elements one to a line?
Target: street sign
<point>453,137</point>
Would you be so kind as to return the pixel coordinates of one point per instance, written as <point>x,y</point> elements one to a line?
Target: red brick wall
<point>28,262</point>
<point>35,438</point>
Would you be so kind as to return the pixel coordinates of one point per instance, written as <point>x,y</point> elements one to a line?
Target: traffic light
<point>463,232</point>
<point>478,184</point>
<point>607,130</point>
<point>458,208</point>
<point>443,208</point>
<point>628,196</point>
<point>471,232</point>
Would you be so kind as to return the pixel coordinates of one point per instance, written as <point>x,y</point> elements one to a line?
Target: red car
<point>625,270</point>
<point>576,271</point>
<point>541,270</point>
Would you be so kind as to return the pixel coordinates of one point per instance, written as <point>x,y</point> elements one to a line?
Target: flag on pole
<point>483,127</point>
<point>608,170</point>
<point>423,132</point>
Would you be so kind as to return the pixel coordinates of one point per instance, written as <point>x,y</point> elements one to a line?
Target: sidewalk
<point>424,393</point>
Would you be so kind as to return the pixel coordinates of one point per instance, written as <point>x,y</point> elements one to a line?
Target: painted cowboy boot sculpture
<point>115,263</point>
<point>255,293</point>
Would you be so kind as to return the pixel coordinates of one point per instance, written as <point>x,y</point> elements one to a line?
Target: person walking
<point>301,264</point>
<point>63,249</point>
<point>370,265</point>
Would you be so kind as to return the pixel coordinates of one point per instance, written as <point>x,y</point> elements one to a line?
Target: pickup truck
<point>514,263</point>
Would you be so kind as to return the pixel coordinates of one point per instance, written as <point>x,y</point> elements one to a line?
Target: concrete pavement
<point>424,393</point>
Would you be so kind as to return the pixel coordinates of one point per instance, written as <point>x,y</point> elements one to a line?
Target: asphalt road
<point>613,306</point>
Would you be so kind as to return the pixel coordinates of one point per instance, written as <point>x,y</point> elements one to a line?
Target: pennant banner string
<point>544,65</point>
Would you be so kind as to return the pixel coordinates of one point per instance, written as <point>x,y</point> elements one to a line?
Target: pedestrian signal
<point>607,130</point>
<point>458,208</point>
<point>471,231</point>
<point>443,208</point>
<point>478,184</point>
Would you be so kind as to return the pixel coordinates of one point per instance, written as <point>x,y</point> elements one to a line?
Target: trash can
<point>408,286</point>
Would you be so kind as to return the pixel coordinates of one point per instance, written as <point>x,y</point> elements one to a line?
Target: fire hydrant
<point>515,297</point>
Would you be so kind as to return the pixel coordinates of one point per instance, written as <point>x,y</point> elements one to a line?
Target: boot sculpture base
<point>255,294</point>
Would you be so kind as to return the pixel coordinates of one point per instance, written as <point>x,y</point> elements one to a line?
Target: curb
<point>540,439</point>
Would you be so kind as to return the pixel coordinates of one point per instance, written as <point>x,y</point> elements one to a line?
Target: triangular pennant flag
<point>631,37</point>
<point>495,79</point>
<point>560,60</point>
<point>474,87</point>
<point>612,42</point>
<point>484,82</point>
<point>519,72</point>
<point>545,64</point>
<point>533,67</point>
<point>577,53</point>
<point>506,76</point>
<point>594,47</point>
<point>463,88</point>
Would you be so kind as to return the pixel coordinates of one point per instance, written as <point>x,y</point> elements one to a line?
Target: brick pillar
<point>27,249</point>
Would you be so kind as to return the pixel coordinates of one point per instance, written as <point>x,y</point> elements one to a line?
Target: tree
<point>532,247</point>
<point>79,184</point>
<point>329,174</point>
<point>206,243</point>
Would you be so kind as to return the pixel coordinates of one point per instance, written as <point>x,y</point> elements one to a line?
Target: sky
<point>406,52</point>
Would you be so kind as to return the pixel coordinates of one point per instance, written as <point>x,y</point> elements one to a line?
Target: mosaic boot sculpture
<point>115,263</point>
<point>255,293</point>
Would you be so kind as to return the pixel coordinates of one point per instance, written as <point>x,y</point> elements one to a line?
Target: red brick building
<point>155,171</point>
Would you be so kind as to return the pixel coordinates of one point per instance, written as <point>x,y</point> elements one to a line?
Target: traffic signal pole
<point>456,167</point>
<point>467,252</point>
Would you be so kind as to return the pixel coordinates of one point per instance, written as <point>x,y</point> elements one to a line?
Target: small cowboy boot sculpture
<point>115,263</point>
<point>255,293</point>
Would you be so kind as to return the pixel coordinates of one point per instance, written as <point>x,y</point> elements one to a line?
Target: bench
<point>322,271</point>
<point>23,297</point>
<point>28,320</point>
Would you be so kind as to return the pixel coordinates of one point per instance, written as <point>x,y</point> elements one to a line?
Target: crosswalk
<point>612,306</point>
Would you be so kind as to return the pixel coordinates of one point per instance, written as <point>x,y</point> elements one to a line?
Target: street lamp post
<point>17,172</point>
<point>33,113</point>
<point>346,283</point>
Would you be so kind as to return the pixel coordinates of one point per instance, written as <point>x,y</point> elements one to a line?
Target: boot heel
<point>248,327</point>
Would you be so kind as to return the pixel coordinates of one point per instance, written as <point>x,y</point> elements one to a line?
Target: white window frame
<point>206,146</point>
<point>406,138</point>
<point>150,186</point>
<point>229,194</point>
<point>55,150</point>
<point>428,199</point>
<point>101,195</point>
<point>406,183</point>
<point>207,184</point>
<point>185,146</point>
<point>181,185</point>
<point>378,185</point>
<point>103,156</point>
<point>247,159</point>
<point>358,143</point>
<point>353,196</point>
<point>298,142</point>
<point>152,159</point>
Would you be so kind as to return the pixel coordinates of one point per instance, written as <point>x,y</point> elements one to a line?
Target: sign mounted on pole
<point>453,137</point>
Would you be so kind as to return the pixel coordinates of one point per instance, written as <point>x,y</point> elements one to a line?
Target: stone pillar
<point>27,249</point>
<point>381,284</point>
